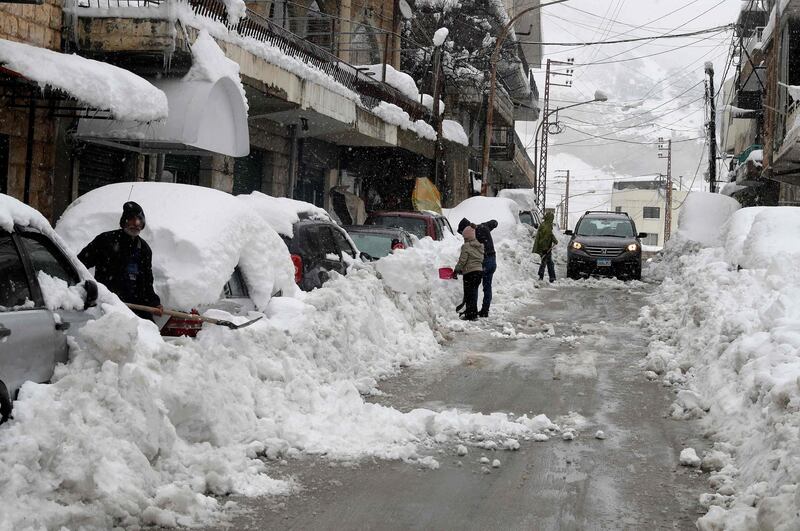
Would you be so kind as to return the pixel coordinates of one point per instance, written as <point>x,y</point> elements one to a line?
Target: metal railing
<point>370,91</point>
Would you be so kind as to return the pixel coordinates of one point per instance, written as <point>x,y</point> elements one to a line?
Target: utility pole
<point>712,130</point>
<point>666,153</point>
<point>438,81</point>
<point>565,212</point>
<point>541,181</point>
<point>500,39</point>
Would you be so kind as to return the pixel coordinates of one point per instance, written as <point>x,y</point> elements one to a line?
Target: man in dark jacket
<point>123,261</point>
<point>483,234</point>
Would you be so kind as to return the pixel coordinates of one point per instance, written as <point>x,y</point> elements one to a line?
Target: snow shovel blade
<point>233,326</point>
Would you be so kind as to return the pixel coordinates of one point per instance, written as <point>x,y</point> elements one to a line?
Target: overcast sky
<point>648,97</point>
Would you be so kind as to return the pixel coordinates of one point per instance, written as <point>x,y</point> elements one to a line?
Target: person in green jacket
<point>543,246</point>
<point>470,264</point>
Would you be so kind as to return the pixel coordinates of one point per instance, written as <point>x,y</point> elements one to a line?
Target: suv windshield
<point>415,226</point>
<point>619,228</point>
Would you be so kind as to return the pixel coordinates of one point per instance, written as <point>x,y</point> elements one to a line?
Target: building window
<point>618,209</point>
<point>248,173</point>
<point>652,239</point>
<point>3,164</point>
<point>651,212</point>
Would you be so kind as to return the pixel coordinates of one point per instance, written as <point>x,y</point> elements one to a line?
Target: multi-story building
<point>758,124</point>
<point>309,120</point>
<point>645,202</point>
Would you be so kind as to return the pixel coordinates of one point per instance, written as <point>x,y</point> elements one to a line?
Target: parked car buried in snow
<point>377,241</point>
<point>317,245</point>
<point>210,252</point>
<point>420,224</point>
<point>605,243</point>
<point>32,328</point>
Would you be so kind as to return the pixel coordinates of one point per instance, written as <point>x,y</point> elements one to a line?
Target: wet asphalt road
<point>630,480</point>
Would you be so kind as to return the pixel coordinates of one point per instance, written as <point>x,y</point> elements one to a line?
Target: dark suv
<point>317,247</point>
<point>420,224</point>
<point>605,243</point>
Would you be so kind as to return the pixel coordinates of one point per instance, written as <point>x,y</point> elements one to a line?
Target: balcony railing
<point>370,91</point>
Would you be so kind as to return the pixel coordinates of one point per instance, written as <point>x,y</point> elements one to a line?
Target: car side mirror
<point>91,294</point>
<point>642,235</point>
<point>568,232</point>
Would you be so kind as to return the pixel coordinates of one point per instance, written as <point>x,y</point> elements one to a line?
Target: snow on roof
<point>100,85</point>
<point>480,209</point>
<point>198,236</point>
<point>524,197</point>
<point>14,212</point>
<point>281,213</point>
<point>399,80</point>
<point>394,115</point>
<point>702,216</point>
<point>210,64</point>
<point>453,131</point>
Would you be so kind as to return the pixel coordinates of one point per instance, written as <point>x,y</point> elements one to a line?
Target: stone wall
<point>38,25</point>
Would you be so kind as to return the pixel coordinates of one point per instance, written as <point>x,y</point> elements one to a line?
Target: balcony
<point>151,33</point>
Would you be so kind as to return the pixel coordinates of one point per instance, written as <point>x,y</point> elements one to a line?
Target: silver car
<point>33,338</point>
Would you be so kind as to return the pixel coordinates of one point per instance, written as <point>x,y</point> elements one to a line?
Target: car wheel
<point>5,403</point>
<point>637,273</point>
<point>572,272</point>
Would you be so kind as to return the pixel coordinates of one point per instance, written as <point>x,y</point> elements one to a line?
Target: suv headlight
<point>577,245</point>
<point>633,247</point>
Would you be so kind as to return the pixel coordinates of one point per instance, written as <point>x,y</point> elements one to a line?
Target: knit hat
<point>468,233</point>
<point>131,209</point>
<point>463,223</point>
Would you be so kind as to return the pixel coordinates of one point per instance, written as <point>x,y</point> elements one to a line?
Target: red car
<point>420,224</point>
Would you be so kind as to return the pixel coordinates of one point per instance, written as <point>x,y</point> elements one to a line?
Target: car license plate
<point>604,262</point>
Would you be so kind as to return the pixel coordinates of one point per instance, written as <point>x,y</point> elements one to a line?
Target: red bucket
<point>446,273</point>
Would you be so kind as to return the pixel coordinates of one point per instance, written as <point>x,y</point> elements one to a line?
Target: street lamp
<point>541,184</point>
<point>487,138</point>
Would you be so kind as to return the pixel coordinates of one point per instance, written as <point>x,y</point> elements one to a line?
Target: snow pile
<point>97,84</point>
<point>138,432</point>
<point>198,236</point>
<point>394,115</point>
<point>236,10</point>
<point>453,131</point>
<point>524,197</point>
<point>479,209</point>
<point>210,64</point>
<point>702,215</point>
<point>726,333</point>
<point>281,213</point>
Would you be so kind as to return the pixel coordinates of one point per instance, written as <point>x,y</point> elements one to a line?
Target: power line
<point>716,29</point>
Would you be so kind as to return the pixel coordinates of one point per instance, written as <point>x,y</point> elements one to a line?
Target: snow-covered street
<point>584,374</point>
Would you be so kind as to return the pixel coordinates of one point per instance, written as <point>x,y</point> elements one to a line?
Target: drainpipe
<point>26,195</point>
<point>292,160</point>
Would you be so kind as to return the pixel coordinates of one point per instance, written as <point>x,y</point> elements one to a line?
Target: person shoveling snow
<point>470,264</point>
<point>124,262</point>
<point>543,246</point>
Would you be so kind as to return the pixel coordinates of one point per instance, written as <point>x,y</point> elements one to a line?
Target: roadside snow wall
<point>138,432</point>
<point>726,334</point>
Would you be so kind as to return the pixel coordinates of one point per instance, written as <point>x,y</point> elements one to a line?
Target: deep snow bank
<point>135,431</point>
<point>728,339</point>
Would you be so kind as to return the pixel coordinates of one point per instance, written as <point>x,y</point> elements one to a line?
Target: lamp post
<point>487,137</point>
<point>541,184</point>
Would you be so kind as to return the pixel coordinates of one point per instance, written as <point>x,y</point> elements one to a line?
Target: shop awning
<point>98,85</point>
<point>204,116</point>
